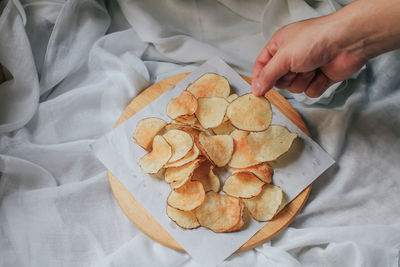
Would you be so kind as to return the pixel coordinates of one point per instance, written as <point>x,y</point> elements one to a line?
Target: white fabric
<point>87,60</point>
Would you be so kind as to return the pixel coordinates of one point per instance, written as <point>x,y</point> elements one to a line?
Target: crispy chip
<point>146,130</point>
<point>283,203</point>
<point>241,157</point>
<point>209,85</point>
<point>243,185</point>
<point>174,126</point>
<point>270,144</point>
<point>263,171</point>
<point>184,104</point>
<point>190,156</point>
<point>211,111</point>
<point>190,120</point>
<point>232,97</point>
<point>219,213</point>
<point>224,128</point>
<point>219,148</point>
<point>240,224</point>
<point>181,126</point>
<point>155,160</point>
<point>181,143</point>
<point>184,219</point>
<point>195,135</point>
<point>264,206</point>
<point>187,197</point>
<point>184,172</point>
<point>205,175</point>
<point>250,113</point>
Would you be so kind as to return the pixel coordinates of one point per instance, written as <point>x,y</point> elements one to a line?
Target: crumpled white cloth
<point>68,69</point>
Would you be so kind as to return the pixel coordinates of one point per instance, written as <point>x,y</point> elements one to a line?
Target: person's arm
<point>310,55</point>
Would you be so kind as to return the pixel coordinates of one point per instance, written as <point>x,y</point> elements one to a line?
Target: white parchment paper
<point>119,153</point>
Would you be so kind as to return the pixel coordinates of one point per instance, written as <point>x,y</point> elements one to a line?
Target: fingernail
<point>289,77</point>
<point>256,86</point>
<point>309,75</point>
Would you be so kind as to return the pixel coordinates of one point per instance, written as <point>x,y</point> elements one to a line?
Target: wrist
<point>367,29</point>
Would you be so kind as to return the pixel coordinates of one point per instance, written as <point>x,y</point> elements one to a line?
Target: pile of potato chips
<point>213,128</point>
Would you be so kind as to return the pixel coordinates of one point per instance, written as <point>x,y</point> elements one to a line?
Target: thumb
<point>270,74</point>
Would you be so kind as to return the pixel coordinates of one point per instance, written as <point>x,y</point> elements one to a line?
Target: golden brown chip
<point>190,156</point>
<point>232,97</point>
<point>283,203</point>
<point>194,133</point>
<point>184,172</point>
<point>146,130</point>
<point>219,148</point>
<point>176,125</point>
<point>155,160</point>
<point>243,185</point>
<point>263,171</point>
<point>181,143</point>
<point>184,104</point>
<point>187,197</point>
<point>209,85</point>
<point>250,113</point>
<point>219,213</point>
<point>190,120</point>
<point>240,224</point>
<point>211,111</point>
<point>224,128</point>
<point>264,206</point>
<point>205,175</point>
<point>184,219</point>
<point>270,144</point>
<point>173,126</point>
<point>241,157</point>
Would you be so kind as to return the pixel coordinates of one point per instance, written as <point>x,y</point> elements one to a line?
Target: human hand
<point>306,56</point>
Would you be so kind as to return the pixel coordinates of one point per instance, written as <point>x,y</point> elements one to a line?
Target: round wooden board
<point>147,224</point>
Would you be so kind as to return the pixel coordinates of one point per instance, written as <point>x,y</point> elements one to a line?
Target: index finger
<point>260,62</point>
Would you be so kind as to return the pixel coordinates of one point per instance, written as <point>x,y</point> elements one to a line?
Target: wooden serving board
<point>143,219</point>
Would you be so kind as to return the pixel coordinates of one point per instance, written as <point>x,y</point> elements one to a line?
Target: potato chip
<point>219,148</point>
<point>283,203</point>
<point>180,173</point>
<point>194,133</point>
<point>205,175</point>
<point>174,126</point>
<point>209,85</point>
<point>241,157</point>
<point>211,111</point>
<point>190,156</point>
<point>270,144</point>
<point>219,213</point>
<point>181,143</point>
<point>184,104</point>
<point>180,183</point>
<point>224,128</point>
<point>264,206</point>
<point>190,120</point>
<point>146,130</point>
<point>240,224</point>
<point>184,219</point>
<point>243,185</point>
<point>250,113</point>
<point>263,171</point>
<point>187,197</point>
<point>155,160</point>
<point>231,97</point>
<point>181,126</point>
